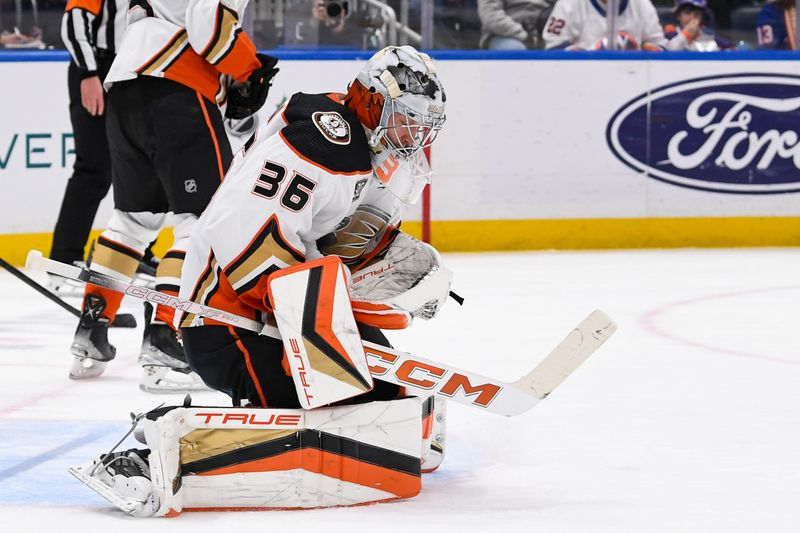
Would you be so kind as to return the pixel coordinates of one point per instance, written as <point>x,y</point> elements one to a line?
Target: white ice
<point>687,420</point>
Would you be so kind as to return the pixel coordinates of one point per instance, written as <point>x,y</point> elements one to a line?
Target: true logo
<point>729,134</point>
<point>190,186</point>
<point>332,126</point>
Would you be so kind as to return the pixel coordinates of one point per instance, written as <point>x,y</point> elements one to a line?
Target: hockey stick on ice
<point>122,320</point>
<point>421,375</point>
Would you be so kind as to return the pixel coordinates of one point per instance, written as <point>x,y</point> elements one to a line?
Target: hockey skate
<point>122,478</point>
<point>90,346</point>
<point>164,366</point>
<point>438,435</point>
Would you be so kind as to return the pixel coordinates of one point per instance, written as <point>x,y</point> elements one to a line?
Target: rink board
<point>561,154</point>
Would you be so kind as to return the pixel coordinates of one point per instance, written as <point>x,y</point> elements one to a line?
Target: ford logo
<point>730,134</point>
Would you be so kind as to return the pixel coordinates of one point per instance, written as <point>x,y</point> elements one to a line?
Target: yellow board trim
<point>14,247</point>
<point>598,234</point>
<point>569,234</point>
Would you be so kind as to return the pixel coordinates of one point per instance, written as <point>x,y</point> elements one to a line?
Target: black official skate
<point>122,478</point>
<point>90,346</point>
<point>163,359</point>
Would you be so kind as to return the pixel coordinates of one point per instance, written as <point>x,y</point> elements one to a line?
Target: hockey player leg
<point>162,357</point>
<point>243,458</point>
<point>117,253</point>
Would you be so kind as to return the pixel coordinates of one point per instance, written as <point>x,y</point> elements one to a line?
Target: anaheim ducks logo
<point>332,126</point>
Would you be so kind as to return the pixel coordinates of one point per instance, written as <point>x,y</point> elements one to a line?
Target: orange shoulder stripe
<point>92,6</point>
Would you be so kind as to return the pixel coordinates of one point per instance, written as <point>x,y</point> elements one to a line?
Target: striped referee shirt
<point>92,27</point>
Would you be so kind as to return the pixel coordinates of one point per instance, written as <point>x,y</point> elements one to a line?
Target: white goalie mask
<point>399,99</point>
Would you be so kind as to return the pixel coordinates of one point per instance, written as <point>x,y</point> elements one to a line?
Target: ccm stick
<point>423,376</point>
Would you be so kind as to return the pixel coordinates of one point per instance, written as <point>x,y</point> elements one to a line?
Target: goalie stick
<point>423,376</point>
<point>122,320</point>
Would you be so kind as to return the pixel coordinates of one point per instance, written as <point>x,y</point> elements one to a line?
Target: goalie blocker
<point>211,458</point>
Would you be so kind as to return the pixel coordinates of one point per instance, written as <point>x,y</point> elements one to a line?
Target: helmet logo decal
<point>332,126</point>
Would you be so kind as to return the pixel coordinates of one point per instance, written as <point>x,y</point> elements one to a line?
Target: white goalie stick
<point>423,376</point>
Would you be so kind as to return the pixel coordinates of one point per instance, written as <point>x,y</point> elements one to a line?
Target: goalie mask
<point>398,97</point>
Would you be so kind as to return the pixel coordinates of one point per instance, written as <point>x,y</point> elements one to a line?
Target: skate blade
<point>164,380</point>
<point>150,355</point>
<point>86,368</point>
<point>127,505</point>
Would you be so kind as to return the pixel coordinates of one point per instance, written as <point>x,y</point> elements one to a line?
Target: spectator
<point>695,30</point>
<point>581,25</point>
<point>331,17</point>
<point>775,26</point>
<point>512,24</point>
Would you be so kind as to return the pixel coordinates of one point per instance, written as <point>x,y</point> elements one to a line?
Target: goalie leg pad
<point>323,347</point>
<point>255,458</point>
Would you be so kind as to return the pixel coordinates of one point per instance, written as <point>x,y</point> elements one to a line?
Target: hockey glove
<point>406,281</point>
<point>245,100</point>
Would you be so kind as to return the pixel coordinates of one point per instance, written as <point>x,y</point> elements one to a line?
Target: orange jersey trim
<point>213,137</point>
<point>195,72</point>
<point>241,60</point>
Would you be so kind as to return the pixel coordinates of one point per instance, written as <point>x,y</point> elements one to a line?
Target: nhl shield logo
<point>190,186</point>
<point>332,126</point>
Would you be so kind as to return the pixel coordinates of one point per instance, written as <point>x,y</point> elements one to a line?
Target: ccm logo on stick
<point>428,376</point>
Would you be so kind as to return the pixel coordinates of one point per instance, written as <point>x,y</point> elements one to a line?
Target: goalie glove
<point>407,281</point>
<point>248,98</point>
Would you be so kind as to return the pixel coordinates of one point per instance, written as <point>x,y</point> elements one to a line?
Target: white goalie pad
<point>409,277</point>
<point>315,318</point>
<point>240,458</point>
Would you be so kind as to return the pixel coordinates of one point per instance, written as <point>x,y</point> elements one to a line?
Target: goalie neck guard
<point>399,99</point>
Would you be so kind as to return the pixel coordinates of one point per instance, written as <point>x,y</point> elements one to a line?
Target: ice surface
<point>687,420</point>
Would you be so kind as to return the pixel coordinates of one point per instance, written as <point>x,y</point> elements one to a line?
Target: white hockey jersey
<point>301,177</point>
<point>198,43</point>
<point>582,23</point>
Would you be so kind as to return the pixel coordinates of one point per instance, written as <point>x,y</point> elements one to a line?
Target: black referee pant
<point>91,173</point>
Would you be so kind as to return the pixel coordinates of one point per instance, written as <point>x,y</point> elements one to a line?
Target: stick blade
<point>581,342</point>
<point>34,260</point>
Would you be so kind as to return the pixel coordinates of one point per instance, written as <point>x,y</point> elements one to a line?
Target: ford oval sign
<point>731,134</point>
